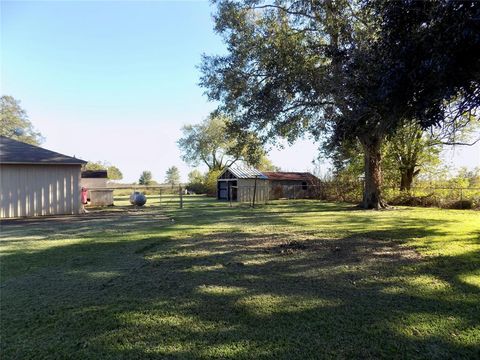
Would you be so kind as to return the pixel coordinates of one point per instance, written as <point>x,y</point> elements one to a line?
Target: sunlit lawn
<point>290,280</point>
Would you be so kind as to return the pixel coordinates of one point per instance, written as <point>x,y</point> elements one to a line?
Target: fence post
<point>160,197</point>
<point>230,193</point>
<point>181,196</point>
<point>294,196</point>
<point>254,191</point>
<point>461,198</point>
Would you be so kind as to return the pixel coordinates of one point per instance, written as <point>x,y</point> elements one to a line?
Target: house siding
<point>36,190</point>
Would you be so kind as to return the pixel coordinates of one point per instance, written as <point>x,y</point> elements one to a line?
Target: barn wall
<point>291,189</point>
<point>246,189</point>
<point>35,190</point>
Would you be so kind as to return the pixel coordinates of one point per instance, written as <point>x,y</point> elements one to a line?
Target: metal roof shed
<point>237,183</point>
<point>35,181</point>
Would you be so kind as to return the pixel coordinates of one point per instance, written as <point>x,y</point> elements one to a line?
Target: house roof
<point>244,172</point>
<point>17,152</point>
<point>293,176</point>
<point>94,174</point>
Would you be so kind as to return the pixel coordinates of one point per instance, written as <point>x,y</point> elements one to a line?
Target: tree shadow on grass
<point>234,294</point>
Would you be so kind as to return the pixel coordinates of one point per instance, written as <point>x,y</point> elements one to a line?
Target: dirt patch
<point>110,221</point>
<point>292,247</point>
<point>97,214</point>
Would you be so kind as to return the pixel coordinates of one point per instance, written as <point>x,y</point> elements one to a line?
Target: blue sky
<point>116,80</point>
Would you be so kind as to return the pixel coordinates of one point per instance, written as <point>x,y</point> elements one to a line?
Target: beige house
<point>35,181</point>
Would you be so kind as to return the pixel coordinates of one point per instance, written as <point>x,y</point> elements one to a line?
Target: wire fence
<point>252,195</point>
<point>447,197</point>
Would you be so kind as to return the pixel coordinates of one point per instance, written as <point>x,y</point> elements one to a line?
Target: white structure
<point>36,181</point>
<point>95,181</point>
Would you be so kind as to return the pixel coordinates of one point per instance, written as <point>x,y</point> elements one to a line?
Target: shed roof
<point>17,152</point>
<point>293,176</point>
<point>244,172</point>
<point>94,174</point>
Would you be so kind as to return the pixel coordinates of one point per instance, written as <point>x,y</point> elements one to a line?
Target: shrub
<point>459,204</point>
<point>408,199</point>
<point>211,182</point>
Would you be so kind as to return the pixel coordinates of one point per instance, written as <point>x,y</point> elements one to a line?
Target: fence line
<point>353,192</point>
<point>441,196</point>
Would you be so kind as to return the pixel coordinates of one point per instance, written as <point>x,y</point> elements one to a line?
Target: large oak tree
<point>345,69</point>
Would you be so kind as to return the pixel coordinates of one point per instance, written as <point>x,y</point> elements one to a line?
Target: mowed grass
<point>289,280</point>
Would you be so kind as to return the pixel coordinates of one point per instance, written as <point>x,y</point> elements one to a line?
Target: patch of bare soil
<point>95,214</point>
<point>350,250</point>
<point>292,247</point>
<point>353,249</point>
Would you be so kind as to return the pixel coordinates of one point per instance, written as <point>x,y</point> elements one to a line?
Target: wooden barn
<point>239,183</point>
<point>35,181</point>
<point>292,185</point>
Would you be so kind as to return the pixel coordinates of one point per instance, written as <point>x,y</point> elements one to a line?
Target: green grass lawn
<point>289,280</point>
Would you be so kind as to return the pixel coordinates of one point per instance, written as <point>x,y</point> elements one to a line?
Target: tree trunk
<point>372,197</point>
<point>407,175</point>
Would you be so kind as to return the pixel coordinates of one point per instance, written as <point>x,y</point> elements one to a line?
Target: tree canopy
<point>172,176</point>
<point>344,70</point>
<point>212,144</point>
<point>113,172</point>
<point>15,124</point>
<point>145,178</point>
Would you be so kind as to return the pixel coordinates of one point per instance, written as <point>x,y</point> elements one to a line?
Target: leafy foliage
<point>172,176</point>
<point>211,143</point>
<point>203,183</point>
<point>349,69</point>
<point>113,172</point>
<point>14,122</point>
<point>145,178</point>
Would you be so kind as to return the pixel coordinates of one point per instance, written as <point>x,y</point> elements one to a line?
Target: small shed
<point>95,181</point>
<point>239,183</point>
<point>35,181</point>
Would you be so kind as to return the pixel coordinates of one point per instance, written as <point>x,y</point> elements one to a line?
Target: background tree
<point>172,176</point>
<point>145,178</point>
<point>113,172</point>
<point>14,122</point>
<point>197,182</point>
<point>409,151</point>
<point>210,143</point>
<point>331,67</point>
<point>195,176</point>
<point>265,164</point>
<point>94,166</point>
